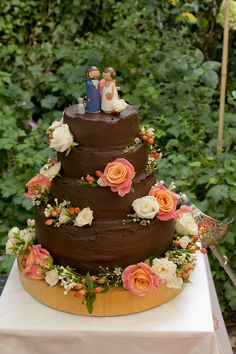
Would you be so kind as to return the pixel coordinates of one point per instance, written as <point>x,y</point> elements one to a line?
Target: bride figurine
<point>110,101</point>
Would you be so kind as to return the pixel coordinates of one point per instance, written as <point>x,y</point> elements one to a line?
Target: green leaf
<point>218,192</point>
<point>90,298</point>
<point>88,281</point>
<point>210,78</point>
<point>49,101</point>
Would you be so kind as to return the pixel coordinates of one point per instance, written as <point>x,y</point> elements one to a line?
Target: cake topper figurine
<point>93,104</point>
<point>110,101</point>
<point>80,106</point>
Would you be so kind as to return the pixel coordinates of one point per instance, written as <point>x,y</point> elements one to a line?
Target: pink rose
<point>139,279</point>
<point>37,262</point>
<point>118,175</point>
<point>167,201</point>
<point>37,185</point>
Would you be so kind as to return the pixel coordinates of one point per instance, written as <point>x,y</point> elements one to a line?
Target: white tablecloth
<point>184,325</point>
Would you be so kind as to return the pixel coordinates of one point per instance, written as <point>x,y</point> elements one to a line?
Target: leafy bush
<point>167,65</point>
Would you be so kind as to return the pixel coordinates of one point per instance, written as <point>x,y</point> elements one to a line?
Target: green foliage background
<point>168,67</point>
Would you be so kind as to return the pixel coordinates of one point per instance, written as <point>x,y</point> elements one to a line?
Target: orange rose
<point>167,201</point>
<point>118,175</point>
<point>139,279</point>
<point>37,185</point>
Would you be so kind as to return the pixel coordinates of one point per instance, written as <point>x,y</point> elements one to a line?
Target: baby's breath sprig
<point>131,148</point>
<point>134,218</point>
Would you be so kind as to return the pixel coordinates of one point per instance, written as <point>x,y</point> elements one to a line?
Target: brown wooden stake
<point>223,78</point>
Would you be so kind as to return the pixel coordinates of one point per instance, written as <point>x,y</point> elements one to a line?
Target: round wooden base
<point>117,301</point>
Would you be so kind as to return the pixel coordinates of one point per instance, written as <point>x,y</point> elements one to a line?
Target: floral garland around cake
<point>140,279</point>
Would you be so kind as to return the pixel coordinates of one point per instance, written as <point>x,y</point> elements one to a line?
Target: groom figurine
<point>93,95</point>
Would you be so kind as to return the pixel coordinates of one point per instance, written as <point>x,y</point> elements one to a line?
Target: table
<point>184,325</point>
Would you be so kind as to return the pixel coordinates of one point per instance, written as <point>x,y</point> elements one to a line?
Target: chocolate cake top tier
<point>102,129</point>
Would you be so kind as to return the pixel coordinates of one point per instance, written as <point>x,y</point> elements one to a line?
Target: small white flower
<point>31,223</point>
<point>175,282</point>
<point>119,105</point>
<point>13,233</point>
<point>101,183</point>
<point>64,218</point>
<point>184,241</point>
<point>62,139</point>
<point>50,172</point>
<point>85,217</point>
<point>10,247</point>
<point>52,277</point>
<point>26,236</point>
<point>186,225</point>
<point>164,269</point>
<point>146,207</point>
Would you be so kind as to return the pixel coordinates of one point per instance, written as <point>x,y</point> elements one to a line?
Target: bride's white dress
<point>108,105</point>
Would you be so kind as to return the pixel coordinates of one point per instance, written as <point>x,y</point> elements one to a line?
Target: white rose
<point>50,172</point>
<point>64,218</point>
<point>55,125</point>
<point>164,269</point>
<point>175,282</point>
<point>146,207</point>
<point>119,105</point>
<point>51,277</point>
<point>62,139</point>
<point>184,241</point>
<point>186,225</point>
<point>26,235</point>
<point>31,223</point>
<point>85,217</point>
<point>10,247</point>
<point>13,233</point>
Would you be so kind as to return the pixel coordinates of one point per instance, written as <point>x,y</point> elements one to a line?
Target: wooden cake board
<point>117,301</point>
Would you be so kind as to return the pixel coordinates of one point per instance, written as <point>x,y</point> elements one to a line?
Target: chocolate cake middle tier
<point>87,160</point>
<point>104,203</point>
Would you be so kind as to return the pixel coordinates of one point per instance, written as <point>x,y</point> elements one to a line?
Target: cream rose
<point>62,139</point>
<point>186,225</point>
<point>55,125</point>
<point>184,241</point>
<point>85,217</point>
<point>146,207</point>
<point>119,105</point>
<point>52,277</point>
<point>164,269</point>
<point>52,171</point>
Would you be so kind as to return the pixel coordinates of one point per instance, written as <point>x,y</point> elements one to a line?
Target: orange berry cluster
<point>81,287</point>
<point>55,214</point>
<point>90,179</point>
<point>155,154</point>
<point>148,136</point>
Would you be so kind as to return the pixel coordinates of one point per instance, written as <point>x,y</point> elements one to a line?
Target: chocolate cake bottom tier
<point>105,244</point>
